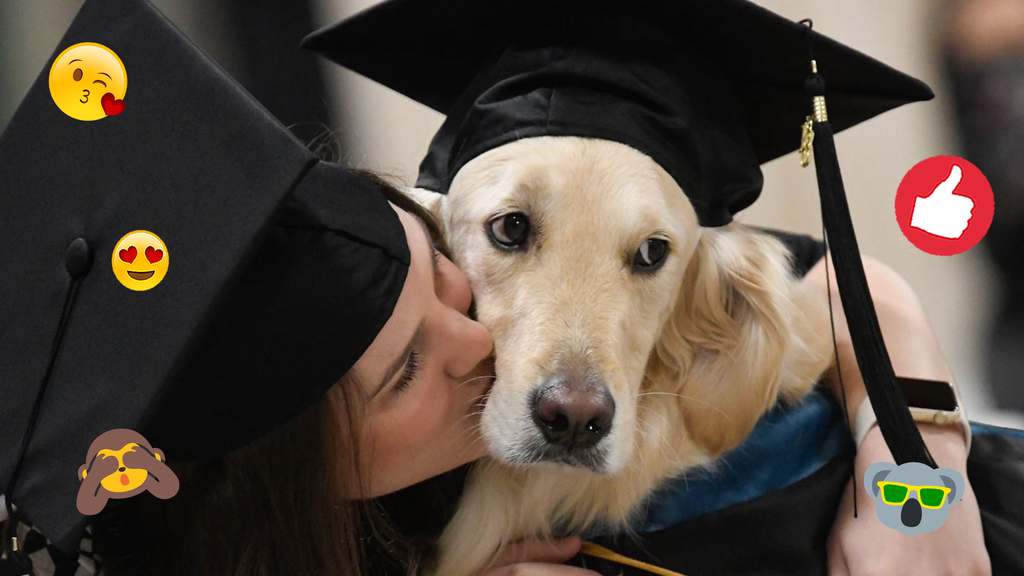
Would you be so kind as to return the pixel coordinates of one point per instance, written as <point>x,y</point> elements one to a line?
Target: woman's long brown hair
<point>275,506</point>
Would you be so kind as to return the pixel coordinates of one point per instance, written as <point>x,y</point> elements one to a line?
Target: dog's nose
<point>121,469</point>
<point>573,414</point>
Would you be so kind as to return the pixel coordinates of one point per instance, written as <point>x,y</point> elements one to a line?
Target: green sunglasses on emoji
<point>896,493</point>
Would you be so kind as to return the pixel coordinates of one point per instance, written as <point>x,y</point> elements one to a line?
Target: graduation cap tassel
<point>894,420</point>
<point>15,562</point>
<point>77,263</point>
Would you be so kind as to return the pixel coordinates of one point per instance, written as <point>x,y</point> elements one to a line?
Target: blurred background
<point>970,51</point>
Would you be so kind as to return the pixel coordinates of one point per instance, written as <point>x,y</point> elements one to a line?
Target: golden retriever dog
<point>631,344</point>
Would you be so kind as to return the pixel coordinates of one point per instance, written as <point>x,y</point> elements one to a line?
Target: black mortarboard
<point>709,89</point>
<point>282,268</point>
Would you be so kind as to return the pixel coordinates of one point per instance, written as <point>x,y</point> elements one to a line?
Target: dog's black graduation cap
<point>282,268</point>
<point>709,89</point>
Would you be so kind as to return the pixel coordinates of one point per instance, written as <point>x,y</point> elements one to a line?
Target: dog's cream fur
<point>693,354</point>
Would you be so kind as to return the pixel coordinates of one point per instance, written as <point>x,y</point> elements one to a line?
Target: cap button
<point>78,259</point>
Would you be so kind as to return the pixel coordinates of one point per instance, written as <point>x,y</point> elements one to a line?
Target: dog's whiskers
<point>666,442</point>
<point>475,378</point>
<point>472,431</point>
<point>467,447</point>
<point>685,397</point>
<point>459,421</point>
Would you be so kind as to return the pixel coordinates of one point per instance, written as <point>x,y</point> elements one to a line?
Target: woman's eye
<point>650,255</point>
<point>412,367</point>
<point>436,254</point>
<point>509,231</point>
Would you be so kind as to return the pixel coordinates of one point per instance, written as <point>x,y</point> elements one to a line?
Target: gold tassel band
<point>592,549</point>
<point>820,113</point>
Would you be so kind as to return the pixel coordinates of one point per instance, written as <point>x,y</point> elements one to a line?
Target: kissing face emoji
<point>88,82</point>
<point>139,260</point>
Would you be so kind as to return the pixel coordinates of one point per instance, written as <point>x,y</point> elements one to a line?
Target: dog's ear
<point>738,336</point>
<point>432,201</point>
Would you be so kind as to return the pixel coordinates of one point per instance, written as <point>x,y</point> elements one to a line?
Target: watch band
<point>865,420</point>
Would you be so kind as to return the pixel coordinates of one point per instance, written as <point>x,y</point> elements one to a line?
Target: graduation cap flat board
<point>709,89</point>
<point>282,268</point>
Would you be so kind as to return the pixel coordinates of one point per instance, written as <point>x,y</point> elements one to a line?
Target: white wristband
<point>865,420</point>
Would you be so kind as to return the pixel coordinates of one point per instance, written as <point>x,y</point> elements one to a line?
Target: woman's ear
<point>735,336</point>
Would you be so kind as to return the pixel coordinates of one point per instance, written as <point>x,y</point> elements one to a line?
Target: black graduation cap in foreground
<point>282,268</point>
<point>709,89</point>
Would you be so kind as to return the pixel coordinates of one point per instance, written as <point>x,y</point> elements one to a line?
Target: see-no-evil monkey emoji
<point>120,464</point>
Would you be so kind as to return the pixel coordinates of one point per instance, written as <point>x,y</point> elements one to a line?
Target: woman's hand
<point>532,557</point>
<point>864,546</point>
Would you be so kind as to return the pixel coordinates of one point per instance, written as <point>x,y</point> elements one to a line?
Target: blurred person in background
<point>984,58</point>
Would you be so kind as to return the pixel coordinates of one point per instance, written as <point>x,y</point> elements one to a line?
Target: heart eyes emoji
<point>152,254</point>
<point>137,273</point>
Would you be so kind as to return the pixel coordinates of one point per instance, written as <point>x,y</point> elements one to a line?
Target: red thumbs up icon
<point>944,205</point>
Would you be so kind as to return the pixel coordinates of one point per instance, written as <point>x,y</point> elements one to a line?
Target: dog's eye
<point>509,231</point>
<point>650,254</point>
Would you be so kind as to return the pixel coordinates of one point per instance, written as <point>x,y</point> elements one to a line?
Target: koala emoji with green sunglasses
<point>913,498</point>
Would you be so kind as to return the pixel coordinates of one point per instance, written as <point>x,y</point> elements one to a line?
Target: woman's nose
<point>470,344</point>
<point>469,341</point>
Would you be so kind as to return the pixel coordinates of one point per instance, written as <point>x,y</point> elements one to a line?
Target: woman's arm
<point>908,336</point>
<point>863,545</point>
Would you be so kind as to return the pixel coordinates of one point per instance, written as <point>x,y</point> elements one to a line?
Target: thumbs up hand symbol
<point>943,212</point>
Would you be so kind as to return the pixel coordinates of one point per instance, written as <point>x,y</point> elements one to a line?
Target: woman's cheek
<point>432,400</point>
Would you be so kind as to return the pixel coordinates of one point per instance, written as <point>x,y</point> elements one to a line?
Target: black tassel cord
<point>14,562</point>
<point>897,426</point>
